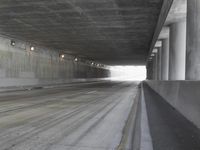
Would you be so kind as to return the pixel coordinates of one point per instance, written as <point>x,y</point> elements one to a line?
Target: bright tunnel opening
<point>128,73</point>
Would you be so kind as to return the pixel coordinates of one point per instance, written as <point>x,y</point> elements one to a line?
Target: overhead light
<point>12,43</point>
<point>32,48</point>
<point>76,59</point>
<point>62,56</point>
<point>92,63</point>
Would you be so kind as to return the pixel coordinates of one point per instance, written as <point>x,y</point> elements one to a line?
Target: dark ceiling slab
<point>109,31</point>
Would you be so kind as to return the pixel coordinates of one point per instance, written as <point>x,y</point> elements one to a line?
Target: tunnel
<point>99,75</point>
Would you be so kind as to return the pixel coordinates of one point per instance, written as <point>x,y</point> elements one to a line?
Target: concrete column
<point>177,51</point>
<point>149,68</point>
<point>159,54</point>
<point>193,40</point>
<point>160,62</point>
<point>165,59</point>
<point>154,67</point>
<point>155,74</point>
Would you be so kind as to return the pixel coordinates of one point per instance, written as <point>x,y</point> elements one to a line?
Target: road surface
<point>87,117</point>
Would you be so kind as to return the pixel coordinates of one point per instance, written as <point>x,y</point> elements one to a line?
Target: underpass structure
<point>55,68</point>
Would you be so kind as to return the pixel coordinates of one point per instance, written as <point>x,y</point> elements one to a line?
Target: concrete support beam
<point>193,40</point>
<point>165,59</point>
<point>177,51</point>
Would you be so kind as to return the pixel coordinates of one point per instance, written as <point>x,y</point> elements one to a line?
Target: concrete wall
<point>19,66</point>
<point>182,95</point>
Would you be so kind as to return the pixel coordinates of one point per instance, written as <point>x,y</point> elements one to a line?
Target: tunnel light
<point>92,63</point>
<point>32,48</point>
<point>75,59</point>
<point>12,43</point>
<point>62,56</point>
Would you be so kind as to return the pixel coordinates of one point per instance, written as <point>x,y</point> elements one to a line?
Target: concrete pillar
<point>193,40</point>
<point>165,59</point>
<point>149,68</point>
<point>153,63</point>
<point>155,74</point>
<point>159,63</point>
<point>177,51</point>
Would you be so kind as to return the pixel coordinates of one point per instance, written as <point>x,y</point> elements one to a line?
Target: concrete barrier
<point>182,95</point>
<point>136,132</point>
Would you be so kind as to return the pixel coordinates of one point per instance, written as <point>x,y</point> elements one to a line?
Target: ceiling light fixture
<point>32,48</point>
<point>12,43</point>
<point>62,56</point>
<point>76,59</point>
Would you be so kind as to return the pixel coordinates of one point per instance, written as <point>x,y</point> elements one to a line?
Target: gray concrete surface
<point>177,13</point>
<point>193,40</point>
<point>155,61</point>
<point>161,21</point>
<point>47,86</point>
<point>106,30</point>
<point>149,68</point>
<point>146,140</point>
<point>165,59</point>
<point>21,67</point>
<point>159,63</point>
<point>82,117</point>
<point>182,95</point>
<point>177,51</point>
<point>169,129</point>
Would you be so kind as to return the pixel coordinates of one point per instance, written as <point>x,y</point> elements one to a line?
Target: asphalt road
<point>87,117</point>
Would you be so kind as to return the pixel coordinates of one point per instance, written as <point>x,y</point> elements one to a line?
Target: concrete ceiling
<point>114,32</point>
